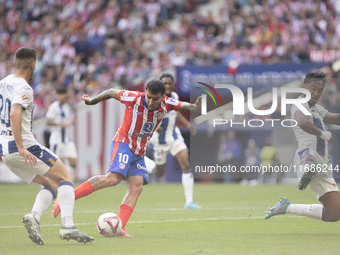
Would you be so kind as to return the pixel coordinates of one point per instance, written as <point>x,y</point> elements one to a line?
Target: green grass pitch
<point>231,222</point>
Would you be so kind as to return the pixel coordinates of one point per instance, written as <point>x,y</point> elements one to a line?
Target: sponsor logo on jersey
<point>142,135</point>
<point>6,132</point>
<point>139,166</point>
<point>171,101</point>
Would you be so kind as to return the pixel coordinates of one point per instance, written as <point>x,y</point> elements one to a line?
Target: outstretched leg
<point>94,183</point>
<point>328,210</point>
<point>135,188</point>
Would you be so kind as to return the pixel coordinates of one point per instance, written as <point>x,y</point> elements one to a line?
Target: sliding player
<point>311,156</point>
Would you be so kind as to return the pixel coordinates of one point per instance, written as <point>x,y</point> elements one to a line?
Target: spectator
<point>66,33</point>
<point>251,158</point>
<point>229,153</point>
<point>269,158</point>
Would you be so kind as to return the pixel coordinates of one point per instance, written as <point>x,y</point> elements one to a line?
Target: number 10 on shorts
<point>123,158</point>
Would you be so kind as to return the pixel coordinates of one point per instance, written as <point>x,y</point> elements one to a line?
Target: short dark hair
<point>61,90</point>
<point>155,86</point>
<point>24,57</point>
<point>166,75</point>
<point>315,76</point>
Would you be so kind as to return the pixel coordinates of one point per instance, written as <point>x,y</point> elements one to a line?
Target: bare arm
<point>105,95</point>
<point>332,118</point>
<point>183,120</point>
<point>310,128</point>
<point>187,107</point>
<point>16,120</point>
<point>51,122</point>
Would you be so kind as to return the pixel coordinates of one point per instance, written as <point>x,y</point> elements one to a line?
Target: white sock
<point>66,203</point>
<point>188,184</point>
<point>150,164</point>
<point>43,200</point>
<point>312,211</point>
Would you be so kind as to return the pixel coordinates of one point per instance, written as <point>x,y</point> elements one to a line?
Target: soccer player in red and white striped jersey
<point>143,113</point>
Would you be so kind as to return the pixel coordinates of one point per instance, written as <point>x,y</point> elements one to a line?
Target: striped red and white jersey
<point>139,122</point>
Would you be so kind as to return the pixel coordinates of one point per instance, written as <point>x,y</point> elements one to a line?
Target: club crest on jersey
<point>122,165</point>
<point>160,115</point>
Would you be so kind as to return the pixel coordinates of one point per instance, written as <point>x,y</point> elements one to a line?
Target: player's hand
<point>28,157</point>
<point>198,102</point>
<point>87,100</point>
<point>327,136</point>
<point>159,129</point>
<point>193,129</point>
<point>65,124</point>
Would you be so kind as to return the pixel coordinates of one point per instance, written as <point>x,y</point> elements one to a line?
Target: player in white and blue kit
<point>19,147</point>
<point>168,138</point>
<point>311,159</point>
<point>60,118</point>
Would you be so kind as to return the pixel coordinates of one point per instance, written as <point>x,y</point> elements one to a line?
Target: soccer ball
<point>109,224</point>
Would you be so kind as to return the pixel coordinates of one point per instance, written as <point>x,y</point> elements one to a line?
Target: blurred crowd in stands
<point>89,45</point>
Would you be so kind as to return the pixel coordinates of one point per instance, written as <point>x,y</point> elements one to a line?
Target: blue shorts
<point>123,161</point>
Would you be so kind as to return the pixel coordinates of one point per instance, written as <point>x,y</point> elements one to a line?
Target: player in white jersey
<point>60,118</point>
<point>29,160</point>
<point>168,138</point>
<point>311,159</point>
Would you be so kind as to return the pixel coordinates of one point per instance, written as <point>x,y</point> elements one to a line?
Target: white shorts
<point>16,163</point>
<point>323,182</point>
<point>161,150</point>
<point>65,150</point>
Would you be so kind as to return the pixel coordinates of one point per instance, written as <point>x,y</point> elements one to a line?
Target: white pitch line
<point>163,221</point>
<point>144,209</point>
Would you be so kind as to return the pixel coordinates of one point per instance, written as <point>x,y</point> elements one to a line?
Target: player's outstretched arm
<point>51,122</point>
<point>332,118</point>
<point>16,120</point>
<point>310,128</point>
<point>105,95</point>
<point>187,107</point>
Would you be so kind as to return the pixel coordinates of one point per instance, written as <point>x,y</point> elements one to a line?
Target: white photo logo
<point>238,105</point>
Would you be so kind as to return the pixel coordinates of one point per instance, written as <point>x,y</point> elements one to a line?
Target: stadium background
<point>90,46</point>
